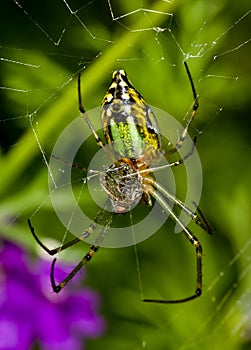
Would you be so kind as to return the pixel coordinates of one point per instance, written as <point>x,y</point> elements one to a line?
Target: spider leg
<point>55,250</point>
<point>85,234</point>
<point>203,219</point>
<point>198,291</point>
<point>73,165</point>
<point>197,216</point>
<point>186,156</point>
<point>85,116</point>
<point>193,240</point>
<point>194,109</point>
<point>93,249</point>
<point>57,287</point>
<point>89,123</point>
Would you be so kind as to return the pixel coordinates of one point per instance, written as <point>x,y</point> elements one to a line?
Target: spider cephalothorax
<point>123,184</point>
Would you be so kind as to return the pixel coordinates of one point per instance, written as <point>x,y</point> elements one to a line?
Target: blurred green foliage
<point>43,48</point>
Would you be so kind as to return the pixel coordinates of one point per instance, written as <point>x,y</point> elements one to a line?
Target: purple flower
<point>31,312</point>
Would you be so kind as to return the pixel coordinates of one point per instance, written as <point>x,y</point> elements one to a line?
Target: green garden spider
<point>134,141</point>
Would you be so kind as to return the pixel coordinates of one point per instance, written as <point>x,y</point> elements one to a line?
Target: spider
<point>134,141</point>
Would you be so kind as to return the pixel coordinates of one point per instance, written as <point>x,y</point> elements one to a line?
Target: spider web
<point>44,46</point>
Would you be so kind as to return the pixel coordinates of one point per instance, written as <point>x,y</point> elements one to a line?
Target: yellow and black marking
<point>129,124</point>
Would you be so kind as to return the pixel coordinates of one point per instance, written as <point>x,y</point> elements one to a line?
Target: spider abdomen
<point>129,124</point>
